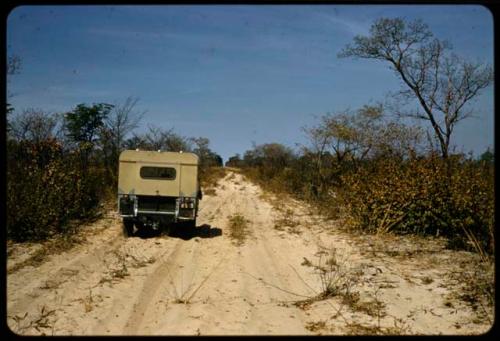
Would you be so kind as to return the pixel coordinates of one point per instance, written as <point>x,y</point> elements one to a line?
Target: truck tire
<point>128,228</point>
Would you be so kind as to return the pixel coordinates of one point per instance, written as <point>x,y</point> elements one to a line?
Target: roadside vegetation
<point>209,178</point>
<point>62,168</point>
<point>391,168</point>
<point>380,168</point>
<point>383,168</point>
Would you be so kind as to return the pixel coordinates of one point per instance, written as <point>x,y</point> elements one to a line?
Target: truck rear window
<point>158,173</point>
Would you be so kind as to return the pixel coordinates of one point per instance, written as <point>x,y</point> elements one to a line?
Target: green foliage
<point>84,121</point>
<point>207,157</point>
<point>235,161</point>
<point>487,157</point>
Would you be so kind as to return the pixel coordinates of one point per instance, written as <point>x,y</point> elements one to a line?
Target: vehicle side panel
<point>188,181</point>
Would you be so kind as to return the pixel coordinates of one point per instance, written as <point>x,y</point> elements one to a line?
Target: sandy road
<point>204,284</point>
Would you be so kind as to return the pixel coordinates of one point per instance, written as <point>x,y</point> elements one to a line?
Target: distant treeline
<point>61,167</point>
<point>381,175</point>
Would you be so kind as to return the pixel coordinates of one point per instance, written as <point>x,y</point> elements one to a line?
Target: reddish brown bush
<point>47,187</point>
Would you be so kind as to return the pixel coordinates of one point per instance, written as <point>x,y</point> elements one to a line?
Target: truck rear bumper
<point>133,206</point>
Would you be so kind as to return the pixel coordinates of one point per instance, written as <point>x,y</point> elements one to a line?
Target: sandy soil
<point>206,284</point>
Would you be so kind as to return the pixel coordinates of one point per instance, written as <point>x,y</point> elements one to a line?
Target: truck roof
<point>160,157</point>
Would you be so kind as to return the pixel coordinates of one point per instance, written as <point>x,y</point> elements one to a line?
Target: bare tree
<point>343,140</point>
<point>34,125</point>
<point>121,121</point>
<point>176,143</point>
<point>157,138</point>
<point>442,82</point>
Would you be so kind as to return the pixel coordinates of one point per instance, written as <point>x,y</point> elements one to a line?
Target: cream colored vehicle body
<point>157,188</point>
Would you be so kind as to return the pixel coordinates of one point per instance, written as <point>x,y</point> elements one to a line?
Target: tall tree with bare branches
<point>441,82</point>
<point>120,122</point>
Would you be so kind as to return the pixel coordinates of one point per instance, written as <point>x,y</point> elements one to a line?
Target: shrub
<point>209,176</point>
<point>47,187</point>
<point>426,195</point>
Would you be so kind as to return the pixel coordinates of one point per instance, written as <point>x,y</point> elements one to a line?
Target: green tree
<point>234,161</point>
<point>487,157</point>
<point>84,121</point>
<point>82,127</point>
<point>208,158</point>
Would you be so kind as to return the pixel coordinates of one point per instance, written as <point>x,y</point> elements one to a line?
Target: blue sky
<point>235,74</point>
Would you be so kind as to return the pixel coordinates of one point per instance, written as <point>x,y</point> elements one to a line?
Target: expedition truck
<point>157,189</point>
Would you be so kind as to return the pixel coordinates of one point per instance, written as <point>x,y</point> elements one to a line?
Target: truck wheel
<point>128,228</point>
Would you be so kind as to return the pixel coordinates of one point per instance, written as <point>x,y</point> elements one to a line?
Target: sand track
<point>204,284</point>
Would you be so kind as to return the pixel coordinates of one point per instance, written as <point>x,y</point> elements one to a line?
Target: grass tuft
<point>238,228</point>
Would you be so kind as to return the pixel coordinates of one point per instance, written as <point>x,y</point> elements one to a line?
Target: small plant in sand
<point>375,308</point>
<point>334,274</point>
<point>41,320</point>
<point>399,327</point>
<point>121,271</point>
<point>476,287</point>
<point>316,327</point>
<point>139,261</point>
<point>335,277</point>
<point>286,219</point>
<point>118,270</point>
<point>180,296</point>
<point>238,228</point>
<point>53,246</point>
<point>88,302</point>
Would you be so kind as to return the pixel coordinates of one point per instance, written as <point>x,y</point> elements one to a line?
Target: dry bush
<point>336,278</point>
<point>89,301</point>
<point>210,176</point>
<point>44,319</point>
<point>286,220</point>
<point>316,327</point>
<point>428,196</point>
<point>47,188</point>
<point>400,327</point>
<point>334,273</point>
<point>116,264</point>
<point>238,228</point>
<point>476,287</point>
